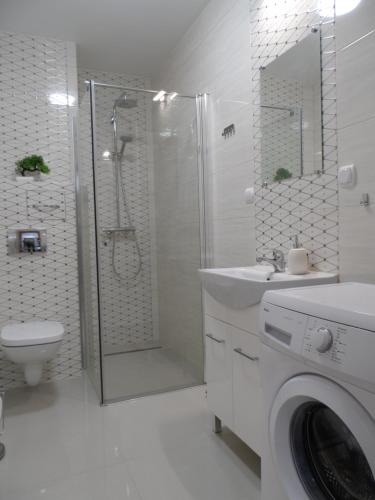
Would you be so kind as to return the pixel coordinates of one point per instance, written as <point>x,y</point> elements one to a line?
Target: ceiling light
<point>172,96</point>
<point>61,99</point>
<point>325,7</point>
<point>345,6</point>
<point>159,96</point>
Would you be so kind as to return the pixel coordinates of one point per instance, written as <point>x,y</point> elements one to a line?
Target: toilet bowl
<point>30,344</point>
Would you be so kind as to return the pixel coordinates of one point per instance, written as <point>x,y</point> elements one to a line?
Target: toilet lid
<point>31,333</point>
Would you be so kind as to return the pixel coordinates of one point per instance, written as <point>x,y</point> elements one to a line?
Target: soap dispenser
<point>298,260</point>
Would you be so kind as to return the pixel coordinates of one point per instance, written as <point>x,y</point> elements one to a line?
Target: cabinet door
<point>247,397</point>
<point>219,369</point>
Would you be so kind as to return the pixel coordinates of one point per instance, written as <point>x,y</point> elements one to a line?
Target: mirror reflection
<point>291,114</point>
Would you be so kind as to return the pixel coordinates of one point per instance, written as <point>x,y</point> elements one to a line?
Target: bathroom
<point>187,259</point>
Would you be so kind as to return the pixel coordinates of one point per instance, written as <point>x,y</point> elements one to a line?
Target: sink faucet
<point>278,261</point>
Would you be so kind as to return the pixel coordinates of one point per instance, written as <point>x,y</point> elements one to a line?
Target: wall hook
<point>365,200</point>
<point>229,131</point>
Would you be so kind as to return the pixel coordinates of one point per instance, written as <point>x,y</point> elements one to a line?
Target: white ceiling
<point>131,36</point>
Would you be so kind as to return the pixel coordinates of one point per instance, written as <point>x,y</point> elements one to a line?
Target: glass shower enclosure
<point>140,197</point>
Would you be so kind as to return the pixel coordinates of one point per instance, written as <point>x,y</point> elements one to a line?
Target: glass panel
<point>329,459</point>
<point>148,232</point>
<point>87,247</point>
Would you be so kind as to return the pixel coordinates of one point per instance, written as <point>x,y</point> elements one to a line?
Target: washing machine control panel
<point>322,339</point>
<point>325,339</point>
<point>345,350</point>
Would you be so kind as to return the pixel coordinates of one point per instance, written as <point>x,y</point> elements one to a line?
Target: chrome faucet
<point>278,261</point>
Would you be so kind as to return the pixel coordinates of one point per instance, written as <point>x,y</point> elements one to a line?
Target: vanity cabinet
<point>247,397</point>
<point>232,376</point>
<point>219,369</point>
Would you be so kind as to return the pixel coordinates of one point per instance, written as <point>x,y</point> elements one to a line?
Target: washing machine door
<point>322,441</point>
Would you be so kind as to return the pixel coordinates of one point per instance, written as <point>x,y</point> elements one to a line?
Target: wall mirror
<point>291,112</point>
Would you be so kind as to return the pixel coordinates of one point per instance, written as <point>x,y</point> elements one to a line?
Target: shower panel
<point>122,102</point>
<point>143,241</point>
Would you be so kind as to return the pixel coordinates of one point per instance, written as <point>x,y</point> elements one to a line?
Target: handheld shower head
<point>126,138</point>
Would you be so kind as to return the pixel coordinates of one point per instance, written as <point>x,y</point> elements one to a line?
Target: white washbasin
<point>241,287</point>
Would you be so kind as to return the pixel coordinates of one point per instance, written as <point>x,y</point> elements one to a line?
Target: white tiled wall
<point>178,230</point>
<point>39,286</point>
<point>214,57</point>
<point>356,130</point>
<point>218,55</point>
<point>211,57</point>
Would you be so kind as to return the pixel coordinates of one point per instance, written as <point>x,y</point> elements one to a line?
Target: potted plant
<point>282,174</point>
<point>31,166</point>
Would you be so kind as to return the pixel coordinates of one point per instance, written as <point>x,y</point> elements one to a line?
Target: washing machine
<point>317,366</point>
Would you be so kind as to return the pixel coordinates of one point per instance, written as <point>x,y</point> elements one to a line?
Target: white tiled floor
<point>140,372</point>
<point>62,446</point>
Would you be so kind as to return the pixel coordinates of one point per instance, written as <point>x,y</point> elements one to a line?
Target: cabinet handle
<point>238,350</point>
<point>2,412</point>
<point>219,341</point>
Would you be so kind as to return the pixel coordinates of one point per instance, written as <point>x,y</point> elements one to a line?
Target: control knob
<point>322,339</point>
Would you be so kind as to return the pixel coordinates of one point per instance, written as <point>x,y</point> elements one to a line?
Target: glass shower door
<point>143,210</point>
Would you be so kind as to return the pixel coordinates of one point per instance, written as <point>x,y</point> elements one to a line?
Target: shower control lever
<point>110,230</point>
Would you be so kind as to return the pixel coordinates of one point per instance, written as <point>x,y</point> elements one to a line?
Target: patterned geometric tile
<point>126,304</point>
<point>305,206</point>
<point>38,286</point>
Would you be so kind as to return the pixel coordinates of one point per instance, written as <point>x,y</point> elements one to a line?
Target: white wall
<point>214,56</point>
<point>356,131</point>
<point>178,231</point>
<point>43,287</point>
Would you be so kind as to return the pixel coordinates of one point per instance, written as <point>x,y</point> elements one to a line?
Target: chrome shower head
<point>124,102</point>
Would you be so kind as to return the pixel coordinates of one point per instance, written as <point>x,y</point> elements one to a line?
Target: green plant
<point>32,163</point>
<point>281,174</point>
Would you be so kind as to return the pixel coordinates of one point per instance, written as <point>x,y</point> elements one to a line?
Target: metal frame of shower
<point>292,112</point>
<point>202,154</point>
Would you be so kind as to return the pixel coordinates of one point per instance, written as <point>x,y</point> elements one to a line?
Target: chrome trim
<point>201,110</point>
<point>219,341</point>
<point>116,164</point>
<point>98,266</point>
<point>279,108</point>
<point>201,103</point>
<point>239,351</point>
<point>140,349</point>
<point>79,222</point>
<point>2,414</point>
<point>126,229</point>
<point>134,89</point>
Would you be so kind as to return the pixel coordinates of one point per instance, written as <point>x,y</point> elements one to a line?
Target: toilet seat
<point>31,333</point>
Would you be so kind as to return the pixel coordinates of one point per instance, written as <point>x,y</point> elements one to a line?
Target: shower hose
<point>135,278</point>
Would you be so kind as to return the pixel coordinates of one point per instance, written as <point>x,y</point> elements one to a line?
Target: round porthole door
<point>322,441</point>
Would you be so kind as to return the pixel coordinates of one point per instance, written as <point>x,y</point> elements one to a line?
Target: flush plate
<point>26,241</point>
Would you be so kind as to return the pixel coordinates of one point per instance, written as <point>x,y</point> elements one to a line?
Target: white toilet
<point>30,344</point>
